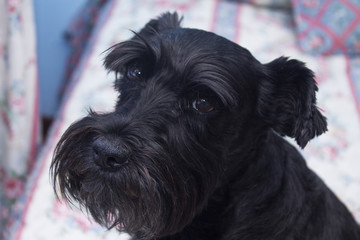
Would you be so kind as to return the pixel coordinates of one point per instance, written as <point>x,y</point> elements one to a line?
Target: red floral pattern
<point>328,26</point>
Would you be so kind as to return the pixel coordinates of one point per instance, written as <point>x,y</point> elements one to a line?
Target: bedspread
<point>19,119</point>
<point>268,33</point>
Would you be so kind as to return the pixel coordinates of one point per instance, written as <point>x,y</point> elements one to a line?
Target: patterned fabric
<point>269,3</point>
<point>18,102</point>
<point>328,26</point>
<point>78,35</point>
<point>267,33</point>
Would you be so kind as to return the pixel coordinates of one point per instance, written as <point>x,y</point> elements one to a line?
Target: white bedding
<point>267,33</point>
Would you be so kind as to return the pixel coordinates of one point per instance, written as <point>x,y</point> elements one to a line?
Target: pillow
<point>328,26</point>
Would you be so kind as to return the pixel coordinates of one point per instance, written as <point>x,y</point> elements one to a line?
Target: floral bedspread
<point>19,120</point>
<point>268,33</point>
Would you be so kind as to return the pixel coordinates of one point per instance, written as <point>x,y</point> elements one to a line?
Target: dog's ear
<point>163,22</point>
<point>287,100</point>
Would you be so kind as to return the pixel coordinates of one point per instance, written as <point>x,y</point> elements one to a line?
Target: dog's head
<point>190,105</point>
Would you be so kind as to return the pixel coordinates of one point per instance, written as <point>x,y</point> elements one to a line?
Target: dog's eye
<point>203,105</point>
<point>134,73</point>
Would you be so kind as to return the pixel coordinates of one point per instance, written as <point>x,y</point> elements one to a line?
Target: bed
<point>268,30</point>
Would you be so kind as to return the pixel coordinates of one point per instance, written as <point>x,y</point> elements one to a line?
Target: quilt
<point>267,32</point>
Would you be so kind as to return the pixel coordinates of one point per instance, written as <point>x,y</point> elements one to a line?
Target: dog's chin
<point>137,207</point>
<point>131,211</point>
<point>130,204</point>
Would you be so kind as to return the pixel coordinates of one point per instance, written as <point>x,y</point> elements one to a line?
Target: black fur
<point>194,150</point>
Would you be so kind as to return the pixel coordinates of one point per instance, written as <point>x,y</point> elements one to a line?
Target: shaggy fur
<point>194,148</point>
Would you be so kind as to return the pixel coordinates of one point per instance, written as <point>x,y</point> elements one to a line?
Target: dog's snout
<point>108,155</point>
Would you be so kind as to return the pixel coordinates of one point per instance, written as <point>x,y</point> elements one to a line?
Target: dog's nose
<point>108,155</point>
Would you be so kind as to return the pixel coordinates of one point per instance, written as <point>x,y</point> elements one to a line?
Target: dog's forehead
<point>188,41</point>
<point>197,50</point>
<point>212,59</point>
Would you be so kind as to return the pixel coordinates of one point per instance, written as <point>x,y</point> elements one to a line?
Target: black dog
<point>194,150</point>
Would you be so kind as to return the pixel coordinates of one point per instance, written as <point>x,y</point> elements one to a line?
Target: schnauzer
<point>194,148</point>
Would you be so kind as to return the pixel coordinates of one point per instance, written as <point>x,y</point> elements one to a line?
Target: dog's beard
<point>157,193</point>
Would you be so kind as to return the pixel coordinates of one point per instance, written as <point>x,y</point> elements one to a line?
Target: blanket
<point>267,32</point>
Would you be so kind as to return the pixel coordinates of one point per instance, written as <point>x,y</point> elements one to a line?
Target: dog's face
<point>193,109</point>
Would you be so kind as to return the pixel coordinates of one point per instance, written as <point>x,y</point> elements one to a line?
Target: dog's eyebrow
<point>137,49</point>
<point>215,78</point>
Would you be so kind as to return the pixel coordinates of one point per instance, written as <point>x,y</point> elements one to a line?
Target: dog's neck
<point>255,168</point>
